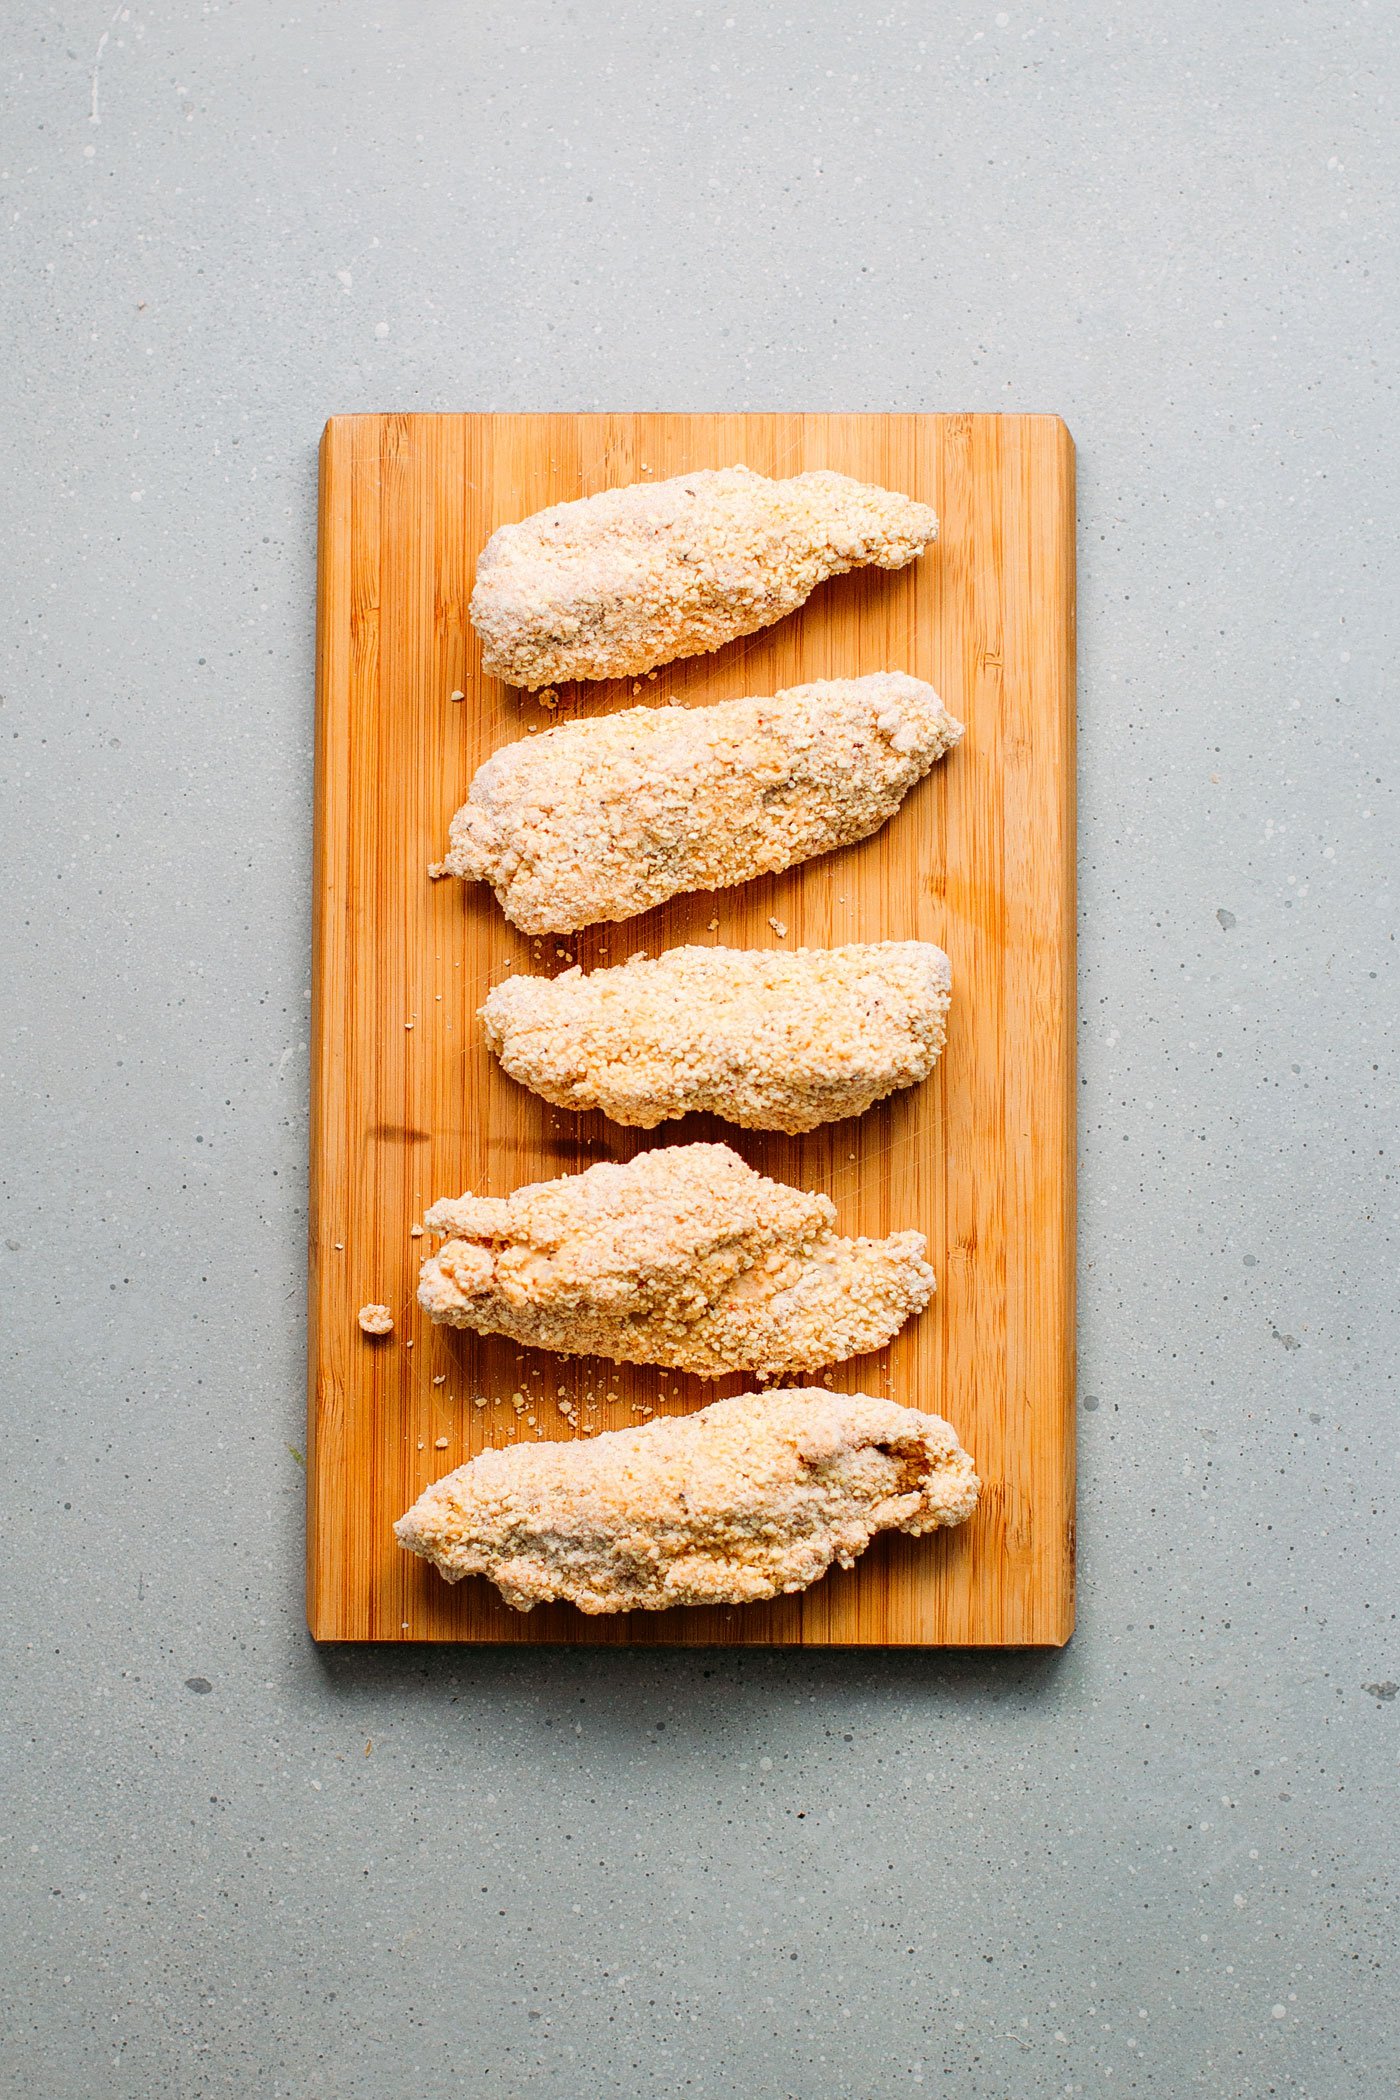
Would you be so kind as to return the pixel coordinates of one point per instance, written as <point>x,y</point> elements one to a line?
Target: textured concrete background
<point>1157,1865</point>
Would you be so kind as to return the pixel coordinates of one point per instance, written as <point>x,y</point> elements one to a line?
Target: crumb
<point>458,696</point>
<point>376,1319</point>
<point>713,926</point>
<point>415,1232</point>
<point>436,870</point>
<point>340,1246</point>
<point>440,1443</point>
<point>779,927</point>
<point>478,1399</point>
<point>408,1024</point>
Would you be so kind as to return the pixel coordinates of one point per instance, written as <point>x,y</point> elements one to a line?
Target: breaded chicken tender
<point>602,819</point>
<point>767,1039</point>
<point>748,1498</point>
<point>611,585</point>
<point>685,1256</point>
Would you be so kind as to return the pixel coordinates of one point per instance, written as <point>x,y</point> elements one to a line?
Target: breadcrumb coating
<point>602,819</point>
<point>749,1498</point>
<point>612,585</point>
<point>684,1256</point>
<point>769,1040</point>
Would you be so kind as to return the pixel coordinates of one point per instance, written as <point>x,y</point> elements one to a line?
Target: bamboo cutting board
<point>408,1105</point>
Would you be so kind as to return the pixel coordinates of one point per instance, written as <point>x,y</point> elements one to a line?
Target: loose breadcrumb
<point>603,818</point>
<point>767,1039</point>
<point>751,1497</point>
<point>611,585</point>
<point>376,1319</point>
<point>684,1256</point>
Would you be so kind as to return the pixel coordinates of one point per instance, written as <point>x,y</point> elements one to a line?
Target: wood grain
<point>408,1105</point>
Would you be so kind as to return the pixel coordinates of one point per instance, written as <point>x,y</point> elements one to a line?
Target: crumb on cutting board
<point>376,1319</point>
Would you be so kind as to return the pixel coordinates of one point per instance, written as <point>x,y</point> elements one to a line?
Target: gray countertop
<point>1157,1864</point>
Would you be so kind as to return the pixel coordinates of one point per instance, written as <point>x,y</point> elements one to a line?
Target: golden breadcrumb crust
<point>741,1500</point>
<point>611,585</point>
<point>749,1498</point>
<point>684,1256</point>
<point>767,1039</point>
<point>602,819</point>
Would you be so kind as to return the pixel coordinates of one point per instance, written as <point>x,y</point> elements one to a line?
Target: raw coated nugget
<point>685,1256</point>
<point>748,1498</point>
<point>604,818</point>
<point>611,585</point>
<point>770,1040</point>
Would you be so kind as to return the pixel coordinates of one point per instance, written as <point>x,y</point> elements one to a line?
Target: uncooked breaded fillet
<point>614,584</point>
<point>685,1256</point>
<point>748,1498</point>
<point>602,819</point>
<point>767,1039</point>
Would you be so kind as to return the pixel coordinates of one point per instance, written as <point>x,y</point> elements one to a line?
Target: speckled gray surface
<point>1159,1864</point>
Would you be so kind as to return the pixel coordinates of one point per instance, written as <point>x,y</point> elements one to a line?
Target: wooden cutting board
<point>408,1105</point>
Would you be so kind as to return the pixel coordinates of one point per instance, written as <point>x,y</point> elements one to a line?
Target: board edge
<point>333,436</point>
